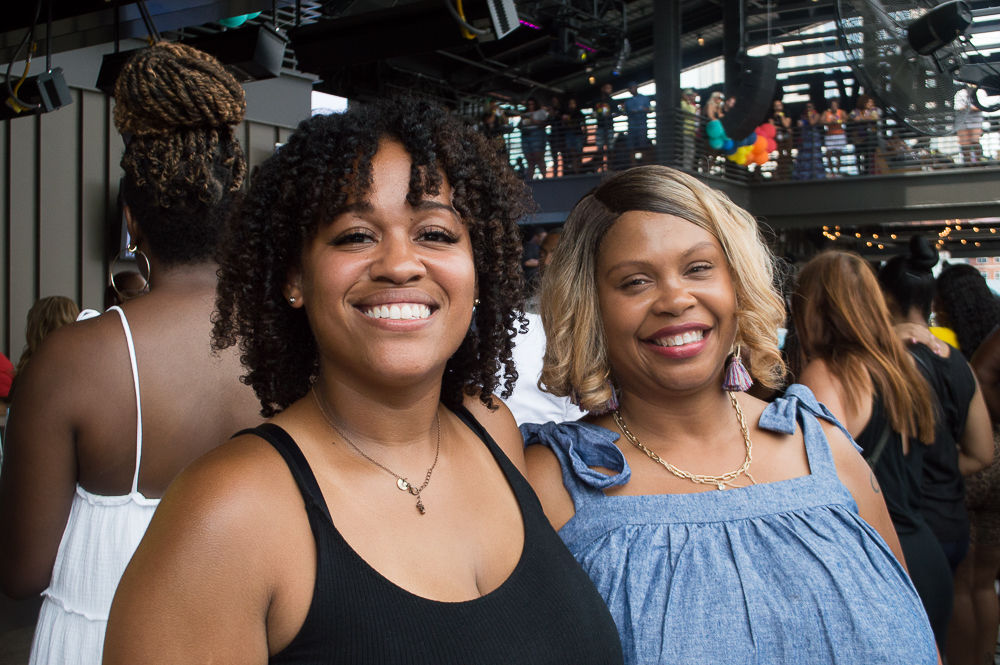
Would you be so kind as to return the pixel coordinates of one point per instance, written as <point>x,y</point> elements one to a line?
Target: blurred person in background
<point>574,123</point>
<point>783,137</point>
<point>857,366</point>
<point>864,133</point>
<point>963,439</point>
<point>967,307</point>
<point>557,136</point>
<point>809,163</point>
<point>528,402</point>
<point>637,108</point>
<point>533,138</point>
<point>110,409</point>
<point>605,109</point>
<point>835,141</point>
<point>45,317</point>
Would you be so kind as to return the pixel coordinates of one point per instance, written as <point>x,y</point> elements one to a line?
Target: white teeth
<point>681,340</point>
<point>402,312</point>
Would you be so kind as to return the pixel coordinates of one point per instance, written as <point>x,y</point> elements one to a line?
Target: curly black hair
<point>178,109</point>
<point>309,179</point>
<point>972,308</point>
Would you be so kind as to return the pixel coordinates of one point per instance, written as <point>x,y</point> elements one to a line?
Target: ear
<point>134,232</point>
<point>293,287</point>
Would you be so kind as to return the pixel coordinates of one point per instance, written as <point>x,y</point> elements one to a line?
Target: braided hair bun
<point>182,162</point>
<point>907,280</point>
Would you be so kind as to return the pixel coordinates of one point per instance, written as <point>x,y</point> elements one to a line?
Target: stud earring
<point>475,302</point>
<point>291,301</point>
<point>738,379</point>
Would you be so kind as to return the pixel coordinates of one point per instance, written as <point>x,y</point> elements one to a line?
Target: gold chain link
<point>719,481</point>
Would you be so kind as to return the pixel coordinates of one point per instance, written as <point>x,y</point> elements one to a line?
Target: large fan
<point>910,54</point>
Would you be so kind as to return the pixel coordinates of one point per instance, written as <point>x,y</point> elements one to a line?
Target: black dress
<point>898,477</point>
<point>547,611</point>
<point>942,485</point>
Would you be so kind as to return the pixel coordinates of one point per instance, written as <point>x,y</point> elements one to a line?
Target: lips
<point>398,311</point>
<point>679,340</point>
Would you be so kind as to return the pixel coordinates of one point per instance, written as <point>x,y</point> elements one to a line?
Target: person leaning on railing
<point>863,134</point>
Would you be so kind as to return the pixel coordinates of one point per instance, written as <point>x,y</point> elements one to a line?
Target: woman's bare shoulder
<point>500,424</point>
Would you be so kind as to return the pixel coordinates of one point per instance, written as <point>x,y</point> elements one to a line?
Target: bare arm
<point>200,586</point>
<point>545,476</point>
<point>975,448</point>
<point>39,474</point>
<point>853,471</point>
<point>986,364</point>
<point>859,479</point>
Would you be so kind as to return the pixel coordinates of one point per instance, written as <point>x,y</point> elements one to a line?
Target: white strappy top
<point>101,535</point>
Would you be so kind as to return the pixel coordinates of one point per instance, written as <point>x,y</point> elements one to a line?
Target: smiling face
<point>388,287</point>
<point>668,304</point>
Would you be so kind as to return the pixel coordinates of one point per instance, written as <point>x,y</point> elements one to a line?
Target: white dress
<point>100,537</point>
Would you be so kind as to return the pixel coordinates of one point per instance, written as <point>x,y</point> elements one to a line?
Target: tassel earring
<point>738,379</point>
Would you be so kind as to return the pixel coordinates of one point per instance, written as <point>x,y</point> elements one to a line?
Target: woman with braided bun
<point>112,408</point>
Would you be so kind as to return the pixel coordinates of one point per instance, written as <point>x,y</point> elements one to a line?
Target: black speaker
<point>753,98</point>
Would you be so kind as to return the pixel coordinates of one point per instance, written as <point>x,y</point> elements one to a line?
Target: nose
<point>397,259</point>
<point>675,297</point>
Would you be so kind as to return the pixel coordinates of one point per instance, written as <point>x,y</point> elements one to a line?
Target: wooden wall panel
<point>260,143</point>
<point>59,202</point>
<point>23,180</point>
<point>59,175</point>
<point>93,214</point>
<point>4,237</point>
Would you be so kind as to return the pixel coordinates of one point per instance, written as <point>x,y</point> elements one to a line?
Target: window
<point>996,259</point>
<point>996,274</point>
<point>984,274</point>
<point>982,259</point>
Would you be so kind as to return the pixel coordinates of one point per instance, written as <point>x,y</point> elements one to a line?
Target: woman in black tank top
<point>372,280</point>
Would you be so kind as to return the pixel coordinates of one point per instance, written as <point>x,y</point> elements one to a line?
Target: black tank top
<point>547,611</point>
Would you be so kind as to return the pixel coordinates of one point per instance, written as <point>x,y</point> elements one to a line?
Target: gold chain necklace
<point>719,481</point>
<point>402,483</point>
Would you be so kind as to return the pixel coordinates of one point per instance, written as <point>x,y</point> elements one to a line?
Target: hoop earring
<point>134,249</point>
<point>738,379</point>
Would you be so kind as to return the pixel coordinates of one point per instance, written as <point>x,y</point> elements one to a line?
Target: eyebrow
<point>428,204</point>
<point>642,264</point>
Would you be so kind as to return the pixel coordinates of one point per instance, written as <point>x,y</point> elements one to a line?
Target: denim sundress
<point>783,572</point>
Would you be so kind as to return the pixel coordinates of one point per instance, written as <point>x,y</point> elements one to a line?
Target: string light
<point>975,229</point>
<point>837,228</point>
<point>893,236</point>
<point>857,235</point>
<point>993,230</point>
<point>837,234</point>
<point>963,241</point>
<point>977,244</point>
<point>881,247</point>
<point>826,228</point>
<point>869,243</point>
<point>958,227</point>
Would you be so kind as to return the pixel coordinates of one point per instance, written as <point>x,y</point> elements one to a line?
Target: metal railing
<point>803,151</point>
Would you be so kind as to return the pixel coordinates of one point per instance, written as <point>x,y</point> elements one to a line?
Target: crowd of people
<point>822,140</point>
<point>356,413</point>
<point>553,135</point>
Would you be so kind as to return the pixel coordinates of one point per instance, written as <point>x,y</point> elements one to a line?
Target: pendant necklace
<point>720,482</point>
<point>402,483</point>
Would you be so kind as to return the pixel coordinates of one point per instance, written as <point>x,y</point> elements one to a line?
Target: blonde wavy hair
<point>576,360</point>
<point>45,316</point>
